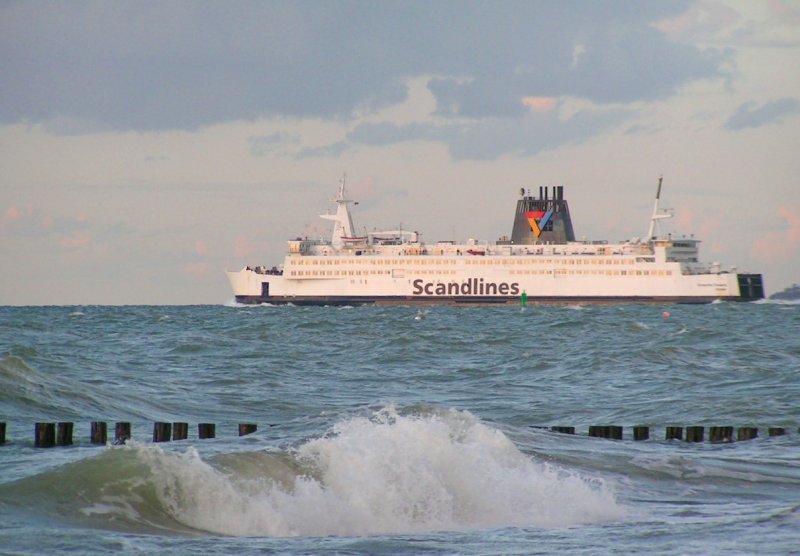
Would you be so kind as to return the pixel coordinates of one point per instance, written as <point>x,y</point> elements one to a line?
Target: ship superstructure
<point>540,262</point>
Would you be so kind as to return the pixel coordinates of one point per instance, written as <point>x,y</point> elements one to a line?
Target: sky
<point>148,147</point>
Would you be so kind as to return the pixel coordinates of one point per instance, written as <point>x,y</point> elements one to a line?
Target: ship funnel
<point>543,220</point>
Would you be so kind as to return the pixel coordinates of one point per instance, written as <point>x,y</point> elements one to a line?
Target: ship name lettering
<point>472,286</point>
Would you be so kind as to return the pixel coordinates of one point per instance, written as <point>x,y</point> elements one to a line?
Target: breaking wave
<point>385,473</point>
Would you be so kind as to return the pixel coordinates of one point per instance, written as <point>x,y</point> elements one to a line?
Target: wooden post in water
<point>45,435</point>
<point>720,434</point>
<point>180,431</point>
<point>777,431</point>
<point>2,433</point>
<point>606,431</point>
<point>64,437</point>
<point>674,433</point>
<point>247,428</point>
<point>162,432</point>
<point>746,433</point>
<point>641,432</point>
<point>695,433</point>
<point>99,432</point>
<point>122,432</point>
<point>563,430</point>
<point>206,430</point>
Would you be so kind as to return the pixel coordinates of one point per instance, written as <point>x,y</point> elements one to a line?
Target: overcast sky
<point>146,147</point>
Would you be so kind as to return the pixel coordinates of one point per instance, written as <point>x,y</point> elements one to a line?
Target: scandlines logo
<point>473,286</point>
<point>538,220</point>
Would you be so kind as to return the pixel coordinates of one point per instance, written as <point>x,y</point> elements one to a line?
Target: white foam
<point>384,475</point>
<point>778,301</point>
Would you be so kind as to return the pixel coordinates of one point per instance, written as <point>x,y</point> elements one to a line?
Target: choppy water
<point>394,430</point>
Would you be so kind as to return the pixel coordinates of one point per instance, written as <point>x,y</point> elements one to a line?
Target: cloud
<point>333,150</point>
<point>748,116</point>
<point>700,21</point>
<point>12,214</point>
<point>540,104</point>
<point>75,240</point>
<point>779,246</point>
<point>242,248</point>
<point>30,221</point>
<point>196,271</point>
<point>73,237</point>
<point>267,144</point>
<point>119,66</point>
<point>201,248</point>
<point>488,139</point>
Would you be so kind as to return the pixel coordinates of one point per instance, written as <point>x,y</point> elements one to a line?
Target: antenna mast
<point>656,214</point>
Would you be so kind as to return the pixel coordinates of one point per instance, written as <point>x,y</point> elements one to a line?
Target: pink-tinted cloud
<point>540,104</point>
<point>48,222</point>
<point>792,217</point>
<point>780,245</point>
<point>32,221</point>
<point>702,19</point>
<point>201,248</point>
<point>12,214</point>
<point>703,226</point>
<point>242,247</point>
<point>196,270</point>
<point>784,11</point>
<point>362,191</point>
<point>75,240</point>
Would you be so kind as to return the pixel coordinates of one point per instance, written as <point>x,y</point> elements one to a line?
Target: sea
<point>402,430</point>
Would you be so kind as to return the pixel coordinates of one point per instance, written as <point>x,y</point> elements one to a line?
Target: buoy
<point>665,314</point>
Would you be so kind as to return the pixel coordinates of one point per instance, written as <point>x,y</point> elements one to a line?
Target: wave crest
<point>385,473</point>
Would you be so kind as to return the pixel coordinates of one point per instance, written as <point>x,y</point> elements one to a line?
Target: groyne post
<point>206,430</point>
<point>673,433</point>
<point>64,436</point>
<point>720,434</point>
<point>695,434</point>
<point>777,431</point>
<point>180,431</point>
<point>44,435</point>
<point>746,433</point>
<point>99,432</point>
<point>641,432</point>
<point>606,431</point>
<point>122,432</point>
<point>2,433</point>
<point>247,428</point>
<point>563,430</point>
<point>162,432</point>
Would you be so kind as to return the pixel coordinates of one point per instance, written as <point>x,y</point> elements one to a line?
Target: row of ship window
<point>596,272</point>
<point>476,261</point>
<point>421,272</point>
<point>369,272</point>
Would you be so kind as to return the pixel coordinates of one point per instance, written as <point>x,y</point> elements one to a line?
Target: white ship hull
<point>383,268</point>
<point>498,280</point>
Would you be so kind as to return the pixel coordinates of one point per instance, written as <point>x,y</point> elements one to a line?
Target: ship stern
<point>751,287</point>
<point>250,287</point>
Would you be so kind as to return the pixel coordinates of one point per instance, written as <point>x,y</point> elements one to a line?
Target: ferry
<point>541,262</point>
